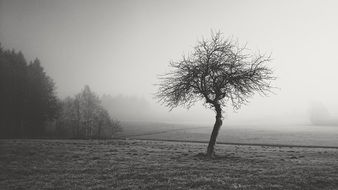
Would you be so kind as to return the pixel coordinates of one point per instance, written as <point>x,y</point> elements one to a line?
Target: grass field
<point>142,164</point>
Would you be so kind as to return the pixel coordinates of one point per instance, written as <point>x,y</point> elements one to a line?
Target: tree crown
<point>218,71</point>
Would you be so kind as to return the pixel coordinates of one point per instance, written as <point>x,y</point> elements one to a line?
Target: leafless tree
<point>220,72</point>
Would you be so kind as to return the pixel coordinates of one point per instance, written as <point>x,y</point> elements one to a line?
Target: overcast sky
<point>119,47</point>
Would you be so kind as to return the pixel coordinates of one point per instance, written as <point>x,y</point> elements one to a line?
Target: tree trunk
<point>217,126</point>
<point>77,119</point>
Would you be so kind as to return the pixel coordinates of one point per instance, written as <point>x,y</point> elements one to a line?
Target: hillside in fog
<point>320,115</point>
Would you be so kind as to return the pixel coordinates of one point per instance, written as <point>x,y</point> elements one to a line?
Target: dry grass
<point>133,164</point>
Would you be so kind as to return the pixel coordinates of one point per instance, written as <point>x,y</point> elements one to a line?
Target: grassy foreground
<point>137,164</point>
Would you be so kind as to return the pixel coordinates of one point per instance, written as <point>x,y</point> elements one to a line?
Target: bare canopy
<point>218,71</point>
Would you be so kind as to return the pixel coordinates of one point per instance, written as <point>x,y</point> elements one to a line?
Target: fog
<point>120,47</point>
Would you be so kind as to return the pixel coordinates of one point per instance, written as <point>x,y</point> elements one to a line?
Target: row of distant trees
<point>83,116</point>
<point>30,108</point>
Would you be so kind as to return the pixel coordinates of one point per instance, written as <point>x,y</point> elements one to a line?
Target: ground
<point>142,164</point>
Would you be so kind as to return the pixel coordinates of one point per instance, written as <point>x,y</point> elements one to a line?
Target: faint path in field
<point>242,144</point>
<point>161,132</point>
<point>157,136</point>
<point>225,143</point>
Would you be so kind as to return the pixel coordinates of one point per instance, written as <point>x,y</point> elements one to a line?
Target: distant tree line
<point>30,108</point>
<point>83,116</point>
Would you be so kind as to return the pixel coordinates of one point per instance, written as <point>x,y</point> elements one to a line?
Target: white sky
<point>119,47</point>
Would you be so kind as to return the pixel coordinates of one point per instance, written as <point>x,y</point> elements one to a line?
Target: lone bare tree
<point>220,72</point>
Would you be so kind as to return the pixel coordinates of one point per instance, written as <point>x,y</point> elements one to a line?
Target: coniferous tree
<point>42,98</point>
<point>27,96</point>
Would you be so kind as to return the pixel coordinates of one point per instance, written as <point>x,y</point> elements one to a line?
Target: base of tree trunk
<point>210,155</point>
<point>205,156</point>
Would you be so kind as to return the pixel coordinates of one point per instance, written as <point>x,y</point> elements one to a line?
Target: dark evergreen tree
<point>27,96</point>
<point>42,104</point>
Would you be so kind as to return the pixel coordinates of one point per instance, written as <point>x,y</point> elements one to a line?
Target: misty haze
<point>150,94</point>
